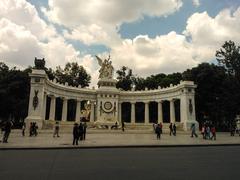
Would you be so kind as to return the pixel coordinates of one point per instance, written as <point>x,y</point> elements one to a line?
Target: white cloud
<point>24,35</point>
<point>24,14</point>
<point>101,12</point>
<point>18,45</point>
<point>146,56</point>
<point>93,34</point>
<point>196,3</point>
<point>207,31</point>
<point>97,21</point>
<point>177,52</point>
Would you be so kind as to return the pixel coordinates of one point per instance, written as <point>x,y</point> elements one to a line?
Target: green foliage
<point>209,80</point>
<point>14,92</point>
<point>73,74</point>
<point>153,81</point>
<point>229,57</point>
<point>125,78</point>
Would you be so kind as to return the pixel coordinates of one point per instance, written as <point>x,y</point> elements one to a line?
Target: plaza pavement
<point>113,138</point>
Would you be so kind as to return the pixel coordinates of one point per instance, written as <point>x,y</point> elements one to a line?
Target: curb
<point>117,147</point>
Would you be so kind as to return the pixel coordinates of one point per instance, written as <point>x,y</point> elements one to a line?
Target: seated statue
<point>39,63</point>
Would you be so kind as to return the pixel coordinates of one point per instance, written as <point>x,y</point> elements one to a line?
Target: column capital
<point>93,101</point>
<point>146,102</point>
<point>133,102</point>
<point>64,98</point>
<point>52,95</point>
<point>79,99</point>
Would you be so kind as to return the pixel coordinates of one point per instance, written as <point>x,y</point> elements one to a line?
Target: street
<point>121,163</point>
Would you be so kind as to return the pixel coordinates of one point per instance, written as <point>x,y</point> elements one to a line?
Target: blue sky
<point>154,36</point>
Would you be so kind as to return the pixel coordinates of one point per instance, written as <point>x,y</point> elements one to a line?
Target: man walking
<point>213,131</point>
<point>193,129</point>
<point>56,130</point>
<point>158,131</point>
<point>80,131</point>
<point>75,134</point>
<point>84,130</point>
<point>174,129</point>
<point>171,129</point>
<point>123,126</point>
<point>7,131</point>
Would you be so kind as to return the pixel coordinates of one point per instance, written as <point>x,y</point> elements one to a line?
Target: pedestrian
<point>193,129</point>
<point>158,131</point>
<point>123,126</point>
<point>208,132</point>
<point>56,129</point>
<point>174,130</point>
<point>35,129</point>
<point>232,129</point>
<point>75,134</point>
<point>80,131</point>
<point>31,129</point>
<point>203,131</point>
<point>161,127</point>
<point>213,131</point>
<point>7,131</point>
<point>23,128</point>
<point>171,129</point>
<point>154,127</point>
<point>84,130</point>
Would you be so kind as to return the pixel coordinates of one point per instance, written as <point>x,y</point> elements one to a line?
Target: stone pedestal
<point>36,99</point>
<point>107,103</point>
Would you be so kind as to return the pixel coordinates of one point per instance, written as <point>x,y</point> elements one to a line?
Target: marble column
<point>78,111</point>
<point>52,108</point>
<point>172,111</point>
<point>64,109</point>
<point>133,112</point>
<point>44,106</point>
<point>119,112</point>
<point>92,112</point>
<point>146,114</point>
<point>160,113</point>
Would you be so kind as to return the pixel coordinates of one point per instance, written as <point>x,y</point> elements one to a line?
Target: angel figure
<point>106,70</point>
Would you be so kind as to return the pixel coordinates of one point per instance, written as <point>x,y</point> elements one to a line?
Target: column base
<point>37,120</point>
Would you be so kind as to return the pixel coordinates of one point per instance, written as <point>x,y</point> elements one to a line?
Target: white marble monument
<point>106,101</point>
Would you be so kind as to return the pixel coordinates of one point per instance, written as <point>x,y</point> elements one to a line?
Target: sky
<point>148,36</point>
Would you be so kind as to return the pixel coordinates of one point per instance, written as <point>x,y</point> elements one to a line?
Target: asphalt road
<point>122,163</point>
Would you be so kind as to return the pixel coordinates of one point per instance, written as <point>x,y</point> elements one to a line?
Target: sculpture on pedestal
<point>106,70</point>
<point>39,63</point>
<point>35,99</point>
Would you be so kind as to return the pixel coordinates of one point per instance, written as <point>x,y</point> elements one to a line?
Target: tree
<point>14,93</point>
<point>229,57</point>
<point>209,79</point>
<point>125,78</point>
<point>73,74</point>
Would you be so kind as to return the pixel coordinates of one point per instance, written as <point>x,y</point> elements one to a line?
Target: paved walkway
<point>113,139</point>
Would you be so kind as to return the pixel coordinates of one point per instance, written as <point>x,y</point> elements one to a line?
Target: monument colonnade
<point>78,114</point>
<point>42,87</point>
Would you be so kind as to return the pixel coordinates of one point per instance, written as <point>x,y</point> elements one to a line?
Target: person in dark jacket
<point>170,129</point>
<point>84,130</point>
<point>75,134</point>
<point>158,131</point>
<point>174,129</point>
<point>7,131</point>
<point>80,131</point>
<point>123,126</point>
